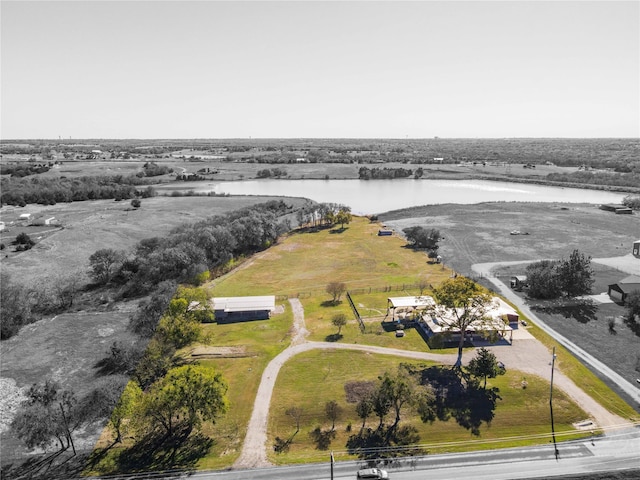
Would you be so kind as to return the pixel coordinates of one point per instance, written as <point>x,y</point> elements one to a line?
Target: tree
<point>25,240</point>
<point>397,391</point>
<point>15,306</point>
<point>339,320</point>
<point>463,303</point>
<point>336,289</point>
<point>185,397</point>
<point>177,328</point>
<point>575,274</point>
<point>423,284</point>
<point>296,414</point>
<point>542,280</point>
<point>124,408</point>
<point>104,263</point>
<point>485,365</point>
<point>333,411</point>
<point>135,203</point>
<point>421,237</point>
<point>633,305</point>
<point>48,414</point>
<point>343,216</point>
<point>364,409</point>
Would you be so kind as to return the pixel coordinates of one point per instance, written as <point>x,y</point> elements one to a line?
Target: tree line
<point>49,191</point>
<point>323,215</point>
<point>365,173</point>
<point>631,179</point>
<point>191,249</point>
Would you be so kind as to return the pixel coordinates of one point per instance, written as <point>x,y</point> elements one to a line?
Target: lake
<point>377,196</point>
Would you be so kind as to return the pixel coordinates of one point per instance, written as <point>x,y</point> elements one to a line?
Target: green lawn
<point>373,269</point>
<point>314,378</point>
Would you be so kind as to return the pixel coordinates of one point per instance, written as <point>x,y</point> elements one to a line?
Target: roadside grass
<point>313,378</point>
<point>618,349</point>
<point>582,376</point>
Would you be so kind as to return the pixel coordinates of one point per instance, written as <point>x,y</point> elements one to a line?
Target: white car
<point>373,473</point>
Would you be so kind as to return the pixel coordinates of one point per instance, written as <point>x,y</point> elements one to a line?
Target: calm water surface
<point>377,196</point>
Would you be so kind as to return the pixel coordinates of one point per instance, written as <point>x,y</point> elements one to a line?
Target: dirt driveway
<point>525,354</point>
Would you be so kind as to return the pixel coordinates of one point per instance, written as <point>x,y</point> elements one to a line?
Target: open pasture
<point>93,225</point>
<point>481,233</point>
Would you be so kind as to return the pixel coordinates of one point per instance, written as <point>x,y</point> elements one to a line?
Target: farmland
<point>472,234</point>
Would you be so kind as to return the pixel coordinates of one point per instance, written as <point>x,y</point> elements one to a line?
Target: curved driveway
<point>526,354</point>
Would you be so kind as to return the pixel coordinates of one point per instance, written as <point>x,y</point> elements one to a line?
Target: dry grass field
<point>481,233</point>
<point>85,227</point>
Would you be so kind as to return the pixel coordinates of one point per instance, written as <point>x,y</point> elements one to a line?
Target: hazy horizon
<point>298,69</point>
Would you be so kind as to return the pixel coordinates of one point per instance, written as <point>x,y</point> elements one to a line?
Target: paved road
<point>613,452</point>
<point>627,387</point>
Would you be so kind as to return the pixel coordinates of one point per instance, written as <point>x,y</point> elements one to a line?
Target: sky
<point>241,69</point>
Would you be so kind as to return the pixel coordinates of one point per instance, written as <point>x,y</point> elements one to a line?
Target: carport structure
<point>400,308</point>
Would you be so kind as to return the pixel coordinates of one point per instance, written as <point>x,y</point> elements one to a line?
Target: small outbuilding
<point>636,249</point>
<point>384,233</point>
<point>617,209</point>
<point>621,290</point>
<point>242,309</point>
<point>518,282</point>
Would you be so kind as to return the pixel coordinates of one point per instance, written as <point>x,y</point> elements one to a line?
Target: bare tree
<point>333,411</point>
<point>296,414</point>
<point>336,289</point>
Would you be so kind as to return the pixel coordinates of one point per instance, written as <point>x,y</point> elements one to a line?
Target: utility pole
<point>553,432</point>
<point>332,462</point>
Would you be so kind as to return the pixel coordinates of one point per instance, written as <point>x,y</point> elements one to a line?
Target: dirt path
<point>526,354</point>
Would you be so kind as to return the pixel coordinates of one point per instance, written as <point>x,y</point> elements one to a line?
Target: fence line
<point>355,312</point>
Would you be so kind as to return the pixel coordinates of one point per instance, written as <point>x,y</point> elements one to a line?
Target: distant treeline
<point>23,170</point>
<point>365,173</point>
<point>49,191</point>
<point>598,178</point>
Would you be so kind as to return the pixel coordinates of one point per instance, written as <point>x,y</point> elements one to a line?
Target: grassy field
<point>315,378</point>
<point>93,225</point>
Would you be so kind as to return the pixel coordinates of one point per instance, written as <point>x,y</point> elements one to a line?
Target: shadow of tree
<point>459,398</point>
<point>159,452</point>
<point>581,310</point>
<point>330,303</point>
<point>334,337</point>
<point>633,325</point>
<point>59,465</point>
<point>322,438</point>
<point>384,442</point>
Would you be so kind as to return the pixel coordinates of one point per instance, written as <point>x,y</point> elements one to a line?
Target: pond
<point>377,196</point>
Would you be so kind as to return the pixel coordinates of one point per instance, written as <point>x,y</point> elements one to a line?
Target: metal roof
<point>241,304</point>
<point>423,301</point>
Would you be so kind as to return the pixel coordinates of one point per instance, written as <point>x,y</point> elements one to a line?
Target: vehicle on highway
<point>373,473</point>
